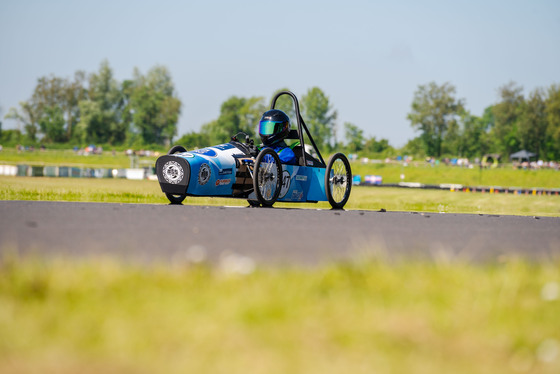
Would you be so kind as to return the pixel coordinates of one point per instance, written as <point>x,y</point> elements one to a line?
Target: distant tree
<point>474,140</point>
<point>48,93</point>
<point>211,131</point>
<point>414,147</point>
<point>507,115</point>
<point>52,96</point>
<point>552,109</point>
<point>354,137</point>
<point>101,113</point>
<point>132,133</point>
<point>237,114</point>
<point>51,124</point>
<point>30,118</point>
<point>533,123</point>
<point>372,145</point>
<point>435,111</point>
<point>12,136</point>
<point>194,140</point>
<point>451,144</point>
<point>13,114</point>
<point>319,116</point>
<point>74,92</point>
<point>250,115</point>
<point>93,127</point>
<point>26,116</point>
<point>154,106</point>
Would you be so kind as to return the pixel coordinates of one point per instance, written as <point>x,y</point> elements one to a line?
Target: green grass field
<point>368,316</point>
<point>362,198</point>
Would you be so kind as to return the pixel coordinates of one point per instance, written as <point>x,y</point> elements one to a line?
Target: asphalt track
<point>265,235</point>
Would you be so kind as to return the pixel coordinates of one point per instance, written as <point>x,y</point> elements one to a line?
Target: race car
<point>242,170</point>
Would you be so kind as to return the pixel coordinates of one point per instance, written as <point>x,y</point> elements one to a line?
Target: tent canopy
<point>522,155</point>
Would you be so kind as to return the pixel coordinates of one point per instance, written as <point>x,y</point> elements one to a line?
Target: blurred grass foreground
<point>373,316</point>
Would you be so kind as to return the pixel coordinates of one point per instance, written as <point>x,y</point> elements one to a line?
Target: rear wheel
<point>267,177</point>
<point>175,198</point>
<point>338,180</point>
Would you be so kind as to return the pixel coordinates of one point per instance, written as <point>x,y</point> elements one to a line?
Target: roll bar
<point>300,123</point>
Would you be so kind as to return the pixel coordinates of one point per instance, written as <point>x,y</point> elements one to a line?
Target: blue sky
<point>367,56</point>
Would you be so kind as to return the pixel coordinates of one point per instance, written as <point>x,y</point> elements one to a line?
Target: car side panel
<point>302,183</point>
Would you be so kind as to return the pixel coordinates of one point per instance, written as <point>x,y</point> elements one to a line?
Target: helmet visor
<point>271,127</point>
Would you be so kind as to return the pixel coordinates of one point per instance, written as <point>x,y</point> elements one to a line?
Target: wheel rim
<point>267,180</point>
<point>338,181</point>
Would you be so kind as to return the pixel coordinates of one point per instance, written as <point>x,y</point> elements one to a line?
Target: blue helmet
<point>274,126</point>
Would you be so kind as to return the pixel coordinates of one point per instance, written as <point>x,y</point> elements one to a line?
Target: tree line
<point>514,123</point>
<point>96,108</point>
<point>144,110</point>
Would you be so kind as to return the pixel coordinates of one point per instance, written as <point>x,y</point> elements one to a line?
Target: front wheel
<point>338,180</point>
<point>174,198</point>
<point>267,177</point>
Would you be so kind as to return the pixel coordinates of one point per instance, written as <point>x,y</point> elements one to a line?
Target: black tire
<point>253,204</point>
<point>176,199</point>
<point>176,149</point>
<point>267,177</point>
<point>338,180</point>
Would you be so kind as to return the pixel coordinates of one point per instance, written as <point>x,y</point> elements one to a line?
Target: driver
<point>273,129</point>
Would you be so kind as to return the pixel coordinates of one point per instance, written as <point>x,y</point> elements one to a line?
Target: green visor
<point>271,127</point>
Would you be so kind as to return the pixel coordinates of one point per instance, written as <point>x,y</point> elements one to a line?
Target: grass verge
<point>57,157</point>
<point>363,198</point>
<point>372,316</point>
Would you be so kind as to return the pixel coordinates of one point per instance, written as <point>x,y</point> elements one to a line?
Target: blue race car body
<point>221,171</point>
<point>240,170</point>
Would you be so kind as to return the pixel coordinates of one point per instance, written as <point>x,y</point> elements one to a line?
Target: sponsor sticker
<point>226,171</point>
<point>172,172</point>
<point>222,182</point>
<point>285,184</point>
<point>301,178</point>
<point>297,195</point>
<point>206,152</point>
<point>309,163</point>
<point>204,174</point>
<point>223,147</point>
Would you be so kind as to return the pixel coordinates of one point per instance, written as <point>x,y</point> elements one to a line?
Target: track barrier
<point>534,191</point>
<point>76,172</point>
